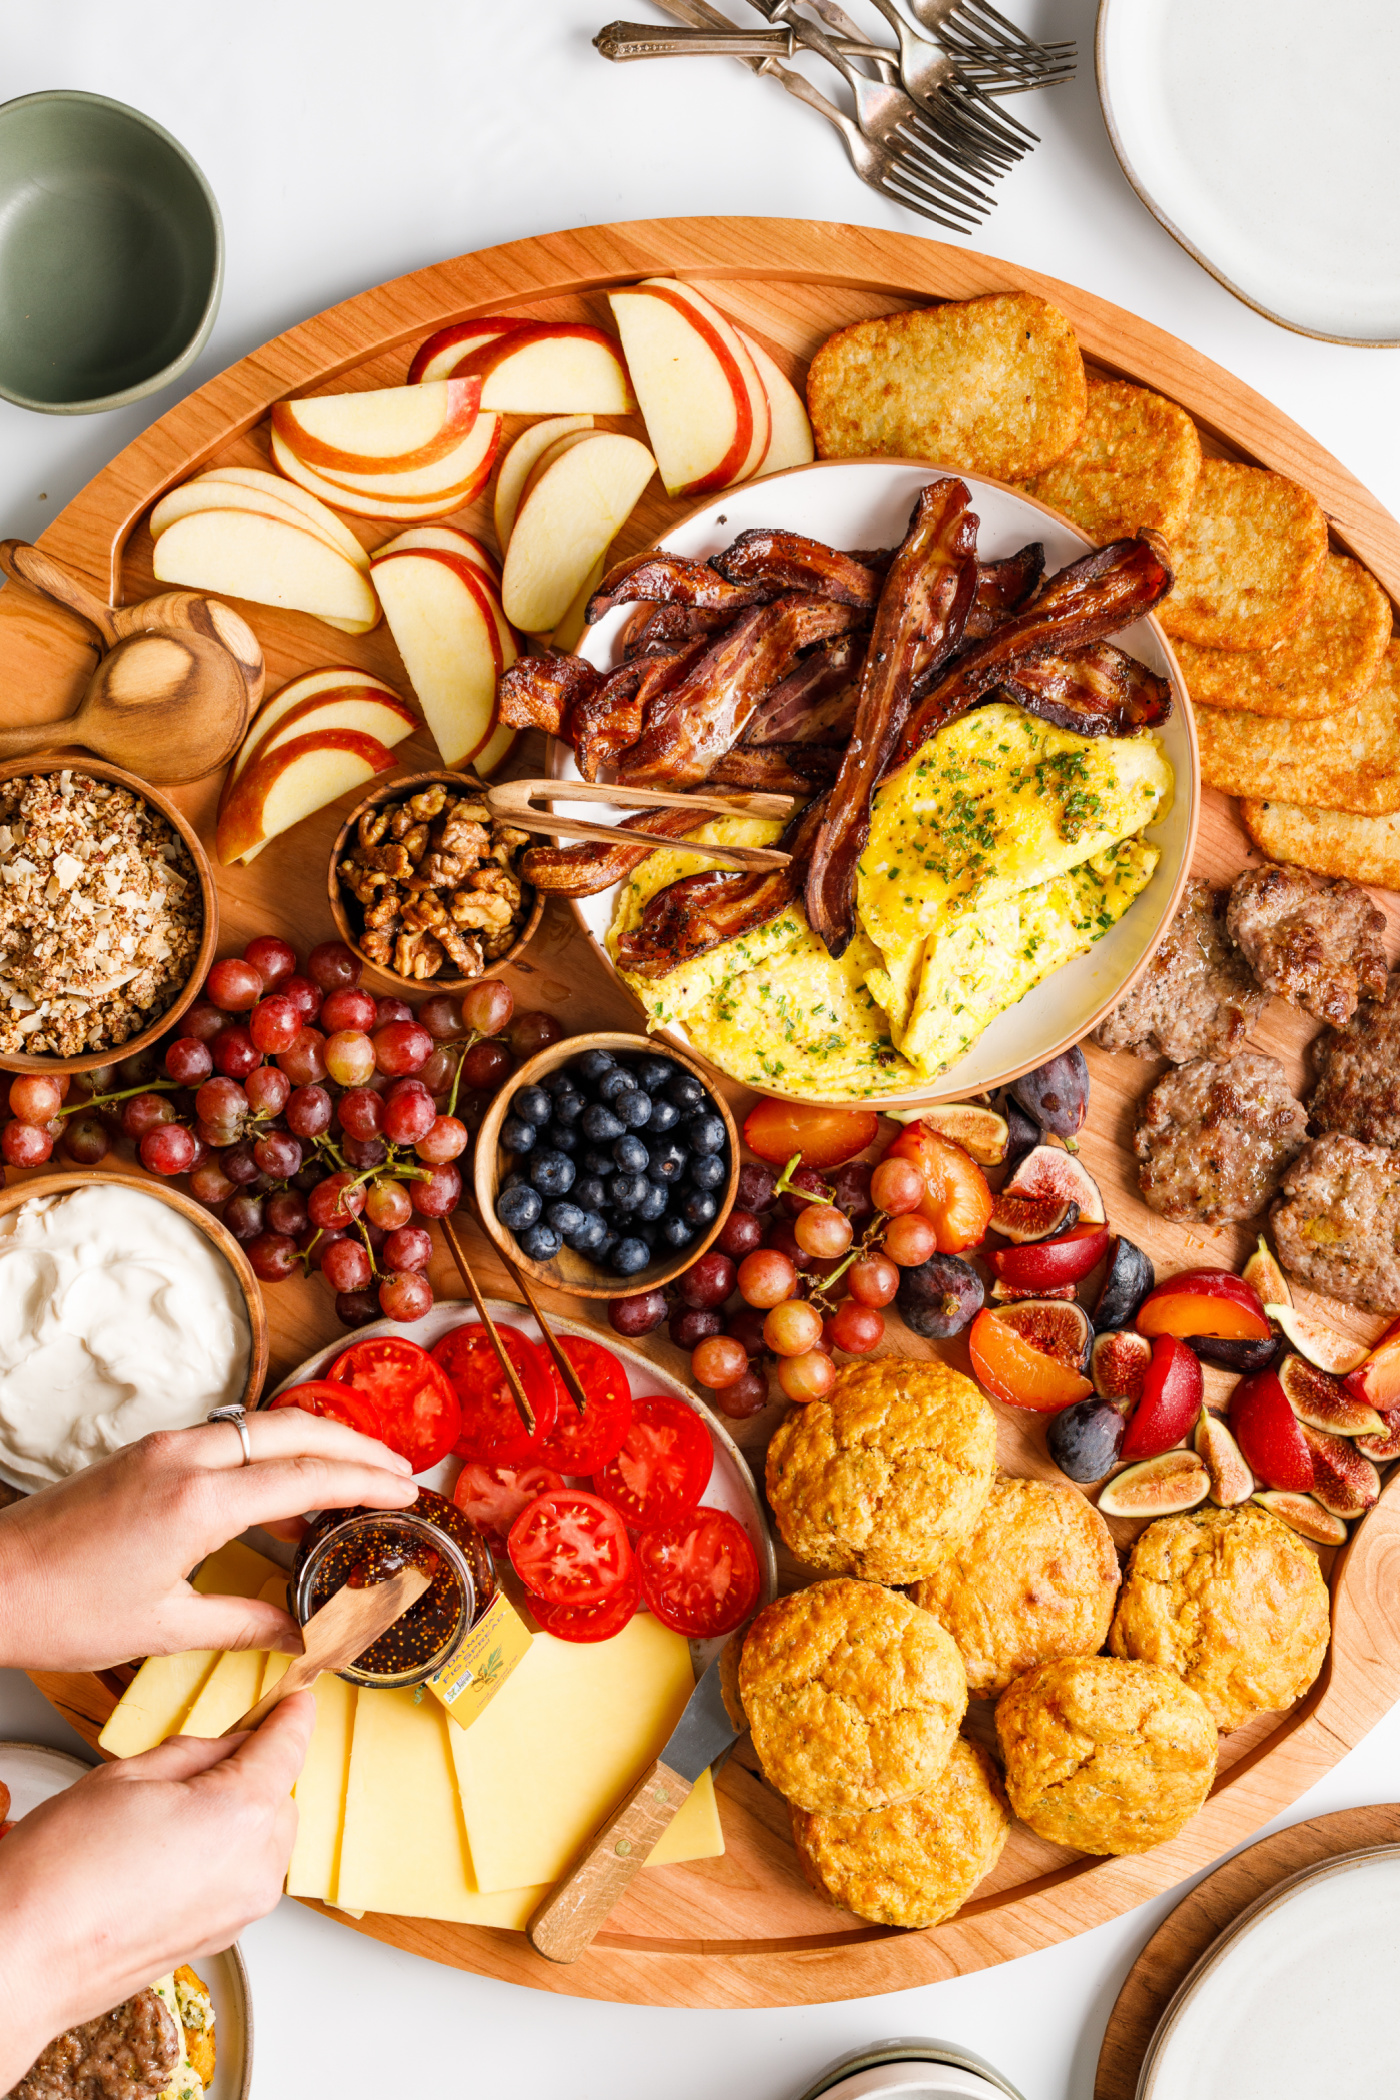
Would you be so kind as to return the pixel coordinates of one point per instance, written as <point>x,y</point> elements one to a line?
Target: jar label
<point>468,1683</point>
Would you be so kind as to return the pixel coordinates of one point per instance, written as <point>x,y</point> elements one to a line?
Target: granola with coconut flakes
<point>100,914</point>
<point>437,880</point>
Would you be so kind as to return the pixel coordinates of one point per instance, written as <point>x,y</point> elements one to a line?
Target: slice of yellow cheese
<point>320,1791</point>
<point>403,1848</point>
<point>563,1741</point>
<point>235,1682</point>
<point>164,1689</point>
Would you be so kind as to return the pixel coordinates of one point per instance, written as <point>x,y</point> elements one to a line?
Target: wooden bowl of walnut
<point>414,933</point>
<point>95,909</point>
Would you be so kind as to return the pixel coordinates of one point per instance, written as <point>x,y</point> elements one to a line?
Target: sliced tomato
<point>589,1622</point>
<point>699,1577</point>
<point>491,1427</point>
<point>826,1137</point>
<point>334,1403</point>
<point>570,1547</point>
<point>663,1466</point>
<point>416,1404</point>
<point>493,1496</point>
<point>581,1444</point>
<point>959,1203</point>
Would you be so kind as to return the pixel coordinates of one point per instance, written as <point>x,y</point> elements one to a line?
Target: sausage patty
<point>130,2053</point>
<point>1213,1139</point>
<point>1197,997</point>
<point>1316,942</point>
<point>1358,1074</point>
<point>1337,1222</point>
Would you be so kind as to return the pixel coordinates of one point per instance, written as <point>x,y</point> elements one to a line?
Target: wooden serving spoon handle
<point>25,564</point>
<point>32,736</point>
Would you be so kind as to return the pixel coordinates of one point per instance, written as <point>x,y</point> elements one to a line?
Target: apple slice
<point>440,614</point>
<point>393,430</point>
<point>362,504</point>
<point>567,634</point>
<point>790,437</point>
<point>381,715</point>
<point>495,751</point>
<point>290,783</point>
<point>551,368</point>
<point>448,539</point>
<point>311,507</point>
<point>694,401</point>
<point>442,355</point>
<point>335,678</point>
<point>222,495</point>
<point>529,447</point>
<point>567,519</point>
<point>457,468</point>
<point>241,555</point>
<point>710,316</point>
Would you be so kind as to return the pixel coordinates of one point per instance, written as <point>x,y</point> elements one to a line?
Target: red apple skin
<point>459,332</point>
<point>1173,1392</point>
<point>464,403</point>
<point>240,820</point>
<point>486,356</point>
<point>1377,1381</point>
<point>349,691</point>
<point>1270,1434</point>
<point>1043,1265</point>
<point>720,476</point>
<point>1207,1302</point>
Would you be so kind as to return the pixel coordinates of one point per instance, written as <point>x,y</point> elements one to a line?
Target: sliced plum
<point>1049,1263</point>
<point>1235,1354</point>
<point>1127,1281</point>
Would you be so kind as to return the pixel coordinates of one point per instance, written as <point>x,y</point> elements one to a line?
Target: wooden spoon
<point>347,1623</point>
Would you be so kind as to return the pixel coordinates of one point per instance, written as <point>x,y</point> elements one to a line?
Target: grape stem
<point>95,1101</point>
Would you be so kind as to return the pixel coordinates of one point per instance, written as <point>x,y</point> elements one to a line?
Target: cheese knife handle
<point>574,1910</point>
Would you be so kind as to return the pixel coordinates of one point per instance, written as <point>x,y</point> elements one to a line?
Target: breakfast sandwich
<point>1329,660</point>
<point>1135,462</point>
<point>1248,560</point>
<point>1347,761</point>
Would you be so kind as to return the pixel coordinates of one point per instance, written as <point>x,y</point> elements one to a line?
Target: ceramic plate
<point>1296,1998</point>
<point>34,1774</point>
<point>1262,135</point>
<point>866,503</point>
<point>731,1483</point>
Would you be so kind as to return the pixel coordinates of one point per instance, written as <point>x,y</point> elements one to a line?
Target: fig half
<point>1049,1171</point>
<point>1118,1365</point>
<point>1344,1480</point>
<point>1305,1515</point>
<point>1324,1402</point>
<point>1158,1487</point>
<point>1231,1481</point>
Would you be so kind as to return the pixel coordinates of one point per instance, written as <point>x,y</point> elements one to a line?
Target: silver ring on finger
<point>236,1415</point>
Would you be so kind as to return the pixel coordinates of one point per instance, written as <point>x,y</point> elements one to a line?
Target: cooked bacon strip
<point>700,912</point>
<point>610,719</point>
<point>1097,690</point>
<point>918,623</point>
<point>581,871</point>
<point>816,702</point>
<point>1094,597</point>
<point>540,692</point>
<point>653,629</point>
<point>788,561</point>
<point>789,769</point>
<point>1003,587</point>
<point>670,579</point>
<point>691,725</point>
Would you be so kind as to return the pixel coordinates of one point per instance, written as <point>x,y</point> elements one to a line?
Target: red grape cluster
<point>322,1124</point>
<point>801,1268</point>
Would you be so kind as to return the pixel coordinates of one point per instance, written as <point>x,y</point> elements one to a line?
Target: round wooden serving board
<point>742,1930</point>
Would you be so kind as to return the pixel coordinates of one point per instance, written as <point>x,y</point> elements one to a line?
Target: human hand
<point>93,1571</point>
<point>145,1863</point>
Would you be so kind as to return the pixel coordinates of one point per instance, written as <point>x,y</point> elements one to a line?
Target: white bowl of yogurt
<point>124,1308</point>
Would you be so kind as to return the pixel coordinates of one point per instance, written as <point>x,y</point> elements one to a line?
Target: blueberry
<point>518,1135</point>
<point>568,1107</point>
<point>628,1191</point>
<point>654,1202</point>
<point>705,1133</point>
<point>631,1155</point>
<point>565,1217</point>
<point>708,1172</point>
<point>541,1242</point>
<point>561,1082</point>
<point>606,1244</point>
<point>676,1233</point>
<point>649,1231</point>
<point>685,1090</point>
<point>700,1208</point>
<point>629,1255</point>
<point>552,1173</point>
<point>664,1116</point>
<point>654,1072</point>
<point>668,1161</point>
<point>593,1160</point>
<point>534,1104</point>
<point>514,1180</point>
<point>592,1065</point>
<point>615,1082</point>
<point>519,1208</point>
<point>590,1236</point>
<point>634,1108</point>
<point>591,1190</point>
<point>563,1137</point>
<point>600,1125</point>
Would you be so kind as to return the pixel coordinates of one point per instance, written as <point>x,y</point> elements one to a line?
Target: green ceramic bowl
<point>111,254</point>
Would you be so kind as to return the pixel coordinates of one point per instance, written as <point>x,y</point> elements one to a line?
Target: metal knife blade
<point>703,1732</point>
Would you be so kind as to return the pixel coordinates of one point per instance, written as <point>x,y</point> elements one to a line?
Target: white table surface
<point>348,142</point>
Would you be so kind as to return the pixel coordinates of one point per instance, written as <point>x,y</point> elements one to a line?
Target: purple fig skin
<point>1235,1355</point>
<point>1127,1281</point>
<point>1056,1095</point>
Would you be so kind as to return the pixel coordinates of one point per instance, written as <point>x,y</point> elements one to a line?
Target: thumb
<point>238,1623</point>
<point>182,1757</point>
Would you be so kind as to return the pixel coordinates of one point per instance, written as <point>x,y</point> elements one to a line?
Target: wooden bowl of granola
<point>61,939</point>
<point>412,933</point>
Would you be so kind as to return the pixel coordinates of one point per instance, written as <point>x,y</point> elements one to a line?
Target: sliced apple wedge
<point>570,514</point>
<point>441,615</point>
<point>567,634</point>
<point>257,480</point>
<point>709,314</point>
<point>495,751</point>
<point>290,783</point>
<point>790,439</point>
<point>380,715</point>
<point>312,685</point>
<point>551,368</point>
<point>403,508</point>
<point>222,495</point>
<point>241,555</point>
<point>392,430</point>
<point>694,401</point>
<point>467,464</point>
<point>448,539</point>
<point>442,354</point>
<point>530,446</point>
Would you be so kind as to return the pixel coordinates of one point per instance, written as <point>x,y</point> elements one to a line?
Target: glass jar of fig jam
<point>365,1546</point>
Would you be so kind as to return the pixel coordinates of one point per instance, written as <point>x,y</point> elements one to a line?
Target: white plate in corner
<point>866,503</point>
<point>1262,135</point>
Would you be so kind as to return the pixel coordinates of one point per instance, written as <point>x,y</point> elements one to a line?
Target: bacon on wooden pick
<point>788,561</point>
<point>1097,691</point>
<point>701,912</point>
<point>918,623</point>
<point>584,870</point>
<point>670,579</point>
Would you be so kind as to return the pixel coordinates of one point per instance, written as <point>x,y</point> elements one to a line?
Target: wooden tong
<point>511,801</point>
<point>562,1365</point>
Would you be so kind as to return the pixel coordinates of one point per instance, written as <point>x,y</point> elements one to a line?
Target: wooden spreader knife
<point>574,1910</point>
<point>343,1628</point>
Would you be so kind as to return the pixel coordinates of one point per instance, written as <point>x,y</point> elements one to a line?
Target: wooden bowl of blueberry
<point>606,1166</point>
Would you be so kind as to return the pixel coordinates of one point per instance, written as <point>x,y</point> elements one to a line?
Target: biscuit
<point>885,1472</point>
<point>1331,658</point>
<point>1103,1755</point>
<point>916,1864</point>
<point>1248,561</point>
<point>1345,761</point>
<point>1035,1580</point>
<point>1329,841</point>
<point>993,385</point>
<point>854,1696</point>
<point>1134,463</point>
<point>1232,1601</point>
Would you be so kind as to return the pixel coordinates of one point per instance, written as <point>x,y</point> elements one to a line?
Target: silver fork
<point>982,35</point>
<point>890,165</point>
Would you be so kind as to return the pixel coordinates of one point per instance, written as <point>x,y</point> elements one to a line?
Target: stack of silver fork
<point>926,128</point>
